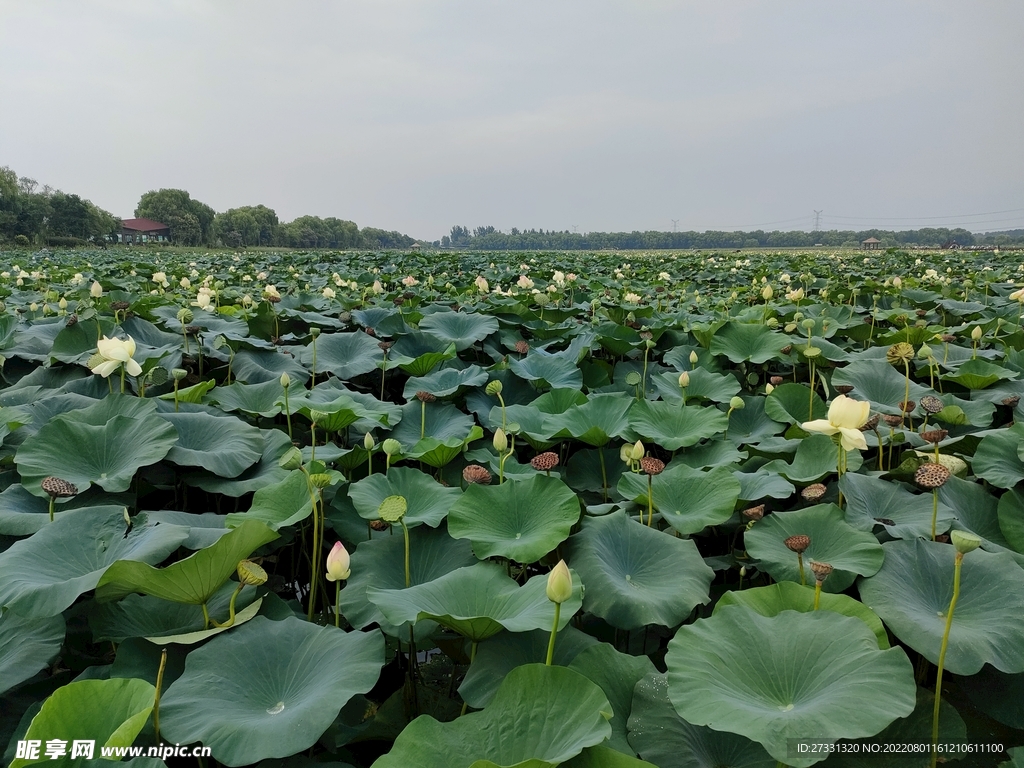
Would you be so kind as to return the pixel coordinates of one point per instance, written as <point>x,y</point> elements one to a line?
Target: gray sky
<point>606,115</point>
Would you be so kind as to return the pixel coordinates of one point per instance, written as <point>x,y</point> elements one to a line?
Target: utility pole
<point>817,220</point>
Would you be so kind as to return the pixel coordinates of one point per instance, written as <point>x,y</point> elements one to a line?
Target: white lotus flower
<point>115,353</point>
<point>845,416</point>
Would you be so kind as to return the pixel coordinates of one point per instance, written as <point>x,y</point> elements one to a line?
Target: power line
<point>924,218</point>
<point>817,220</point>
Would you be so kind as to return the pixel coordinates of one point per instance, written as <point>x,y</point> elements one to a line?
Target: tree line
<point>40,215</point>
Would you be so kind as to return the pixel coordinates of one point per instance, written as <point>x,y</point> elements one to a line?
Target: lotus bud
<point>286,380</point>
<point>292,459</point>
<point>338,568</point>
<point>250,574</point>
<point>767,293</point>
<point>392,509</point>
<point>736,403</point>
<point>976,333</point>
<point>964,542</point>
<point>637,451</point>
<point>924,352</point>
<point>391,447</point>
<point>500,441</point>
<point>559,587</point>
<point>693,357</point>
<point>684,380</point>
<point>63,303</point>
<point>368,441</point>
<point>493,388</point>
<point>768,389</point>
<point>178,374</point>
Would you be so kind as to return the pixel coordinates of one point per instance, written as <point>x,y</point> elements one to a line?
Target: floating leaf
<point>688,499</point>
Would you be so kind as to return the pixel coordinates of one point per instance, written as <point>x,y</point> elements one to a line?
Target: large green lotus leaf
<point>600,756</point>
<point>109,712</point>
<point>828,680</point>
<point>911,594</point>
<point>790,403</point>
<point>871,501</point>
<point>380,562</point>
<point>751,424</point>
<point>704,385</point>
<point>42,575</point>
<point>443,421</point>
<point>659,735</point>
<point>477,601</point>
<point>914,729</point>
<point>264,472</point>
<point>713,453</point>
<point>833,541</point>
<point>583,470</point>
<point>558,370</point>
<point>445,382</point>
<point>260,366</point>
<point>508,650</point>
<point>346,355</point>
<point>790,596</point>
<point>689,500</point>
<point>193,580</point>
<point>747,342</point>
<point>997,694</point>
<point>672,426</point>
<point>203,529</point>
<point>522,520</point>
<point>104,444</point>
<point>278,505</point>
<point>976,510</point>
<point>617,674</point>
<point>418,353</point>
<point>978,374</point>
<point>816,457</point>
<point>595,422</point>
<point>145,616</point>
<point>762,484</point>
<point>27,646</point>
<point>23,513</point>
<point>268,688</point>
<point>1011,518</point>
<point>265,399</point>
<point>440,453</point>
<point>996,458</point>
<point>463,329</point>
<point>223,445</point>
<point>879,382</point>
<point>428,501</point>
<point>637,575</point>
<point>540,717</point>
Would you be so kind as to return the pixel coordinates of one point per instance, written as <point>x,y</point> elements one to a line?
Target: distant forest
<point>34,214</point>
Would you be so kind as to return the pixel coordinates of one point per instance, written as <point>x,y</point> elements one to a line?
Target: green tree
<point>191,221</point>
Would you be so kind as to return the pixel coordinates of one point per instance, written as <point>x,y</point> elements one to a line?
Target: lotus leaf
<point>688,499</point>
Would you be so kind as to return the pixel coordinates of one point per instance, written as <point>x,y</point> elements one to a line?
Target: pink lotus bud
<point>338,563</point>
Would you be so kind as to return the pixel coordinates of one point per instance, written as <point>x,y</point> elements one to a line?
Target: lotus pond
<point>456,509</point>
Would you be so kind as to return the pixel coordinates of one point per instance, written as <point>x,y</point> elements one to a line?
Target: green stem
<point>312,439</point>
<point>800,562</point>
<point>52,499</point>
<point>423,418</point>
<point>942,656</point>
<point>156,695</point>
<point>231,609</point>
<point>554,632</point>
<point>817,594</point>
<point>206,617</point>
<point>288,413</point>
<point>313,376</point>
<point>122,378</point>
<point>175,395</point>
<point>472,658</point>
<point>935,510</point>
<point>503,422</point>
<point>405,533</point>
<point>337,603</point>
<point>650,501</point>
<point>604,473</point>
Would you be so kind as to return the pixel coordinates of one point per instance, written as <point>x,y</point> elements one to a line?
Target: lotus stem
<point>554,632</point>
<point>122,378</point>
<point>313,376</point>
<point>156,695</point>
<point>935,510</point>
<point>175,395</point>
<point>337,603</point>
<point>423,418</point>
<point>52,499</point>
<point>942,656</point>
<point>288,412</point>
<point>800,563</point>
<point>206,617</point>
<point>405,533</point>
<point>472,658</point>
<point>650,500</point>
<point>817,593</point>
<point>604,473</point>
<point>502,401</point>
<point>810,397</point>
<point>231,609</point>
<point>312,439</point>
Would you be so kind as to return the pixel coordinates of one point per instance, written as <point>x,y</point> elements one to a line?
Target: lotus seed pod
<point>684,380</point>
<point>652,466</point>
<point>976,333</point>
<point>185,315</point>
<point>870,424</point>
<point>813,492</point>
<point>821,570</point>
<point>754,513</point>
<point>786,349</point>
<point>544,462</point>
<point>512,428</point>
<point>338,568</point>
<point>637,452</point>
<point>292,459</point>
<point>892,421</point>
<point>522,347</point>
<point>932,404</point>
<point>1010,401</point>
<point>632,379</point>
<point>391,447</point>
<point>251,574</point>
<point>899,353</point>
<point>320,480</point>
<point>314,331</point>
<point>934,436</point>
<point>964,542</point>
<point>798,543</point>
<point>425,397</point>
<point>392,509</point>
<point>318,416</point>
<point>736,403</point>
<point>559,586</point>
<point>907,406</point>
<point>807,324</point>
<point>776,380</point>
<point>368,442</point>
<point>693,357</point>
<point>797,317</point>
<point>500,441</point>
<point>925,352</point>
<point>844,389</point>
<point>58,488</point>
<point>810,351</point>
<point>178,374</point>
<point>474,474</point>
<point>286,380</point>
<point>931,475</point>
<point>493,388</point>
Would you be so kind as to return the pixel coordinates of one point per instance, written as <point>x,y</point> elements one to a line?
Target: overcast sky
<point>603,115</point>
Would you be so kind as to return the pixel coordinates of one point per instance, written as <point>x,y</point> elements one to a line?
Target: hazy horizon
<point>609,116</point>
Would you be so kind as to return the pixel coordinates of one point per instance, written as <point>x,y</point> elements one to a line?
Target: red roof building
<point>143,230</point>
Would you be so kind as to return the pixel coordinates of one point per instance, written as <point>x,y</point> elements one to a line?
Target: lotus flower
<point>559,586</point>
<point>338,563</point>
<point>114,354</point>
<point>845,416</point>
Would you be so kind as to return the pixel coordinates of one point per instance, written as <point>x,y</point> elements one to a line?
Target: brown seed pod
<point>934,436</point>
<point>813,492</point>
<point>786,349</point>
<point>646,335</point>
<point>385,345</point>
<point>885,521</point>
<point>1011,401</point>
<point>652,466</point>
<point>370,331</point>
<point>871,424</point>
<point>544,462</point>
<point>475,474</point>
<point>932,404</point>
<point>798,543</point>
<point>821,570</point>
<point>907,406</point>
<point>892,421</point>
<point>931,475</point>
<point>58,488</point>
<point>425,397</point>
<point>117,306</point>
<point>72,319</point>
<point>193,330</point>
<point>399,300</point>
<point>379,525</point>
<point>273,299</point>
<point>754,513</point>
<point>947,337</point>
<point>844,389</point>
<point>522,347</point>
<point>776,380</point>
